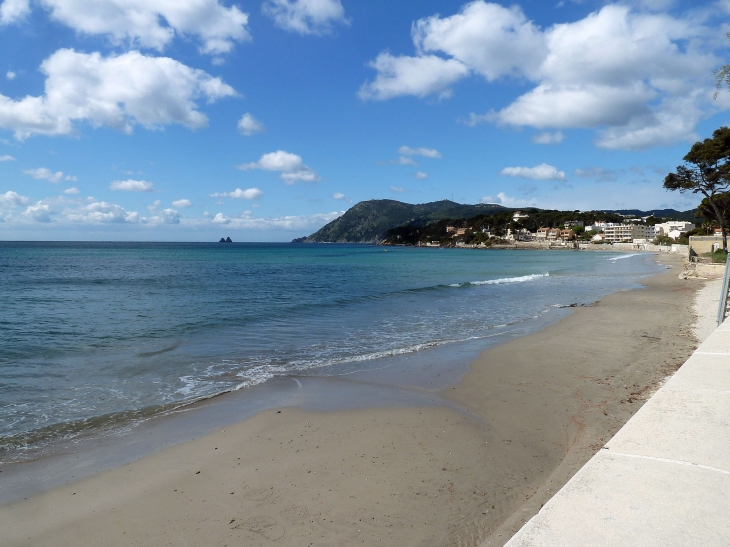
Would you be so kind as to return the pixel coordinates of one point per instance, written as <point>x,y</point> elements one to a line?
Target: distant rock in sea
<point>225,240</point>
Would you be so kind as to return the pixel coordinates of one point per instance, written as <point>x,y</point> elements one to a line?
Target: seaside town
<point>519,230</point>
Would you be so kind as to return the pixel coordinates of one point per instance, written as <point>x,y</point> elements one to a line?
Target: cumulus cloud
<point>306,16</point>
<point>420,76</point>
<point>6,158</point>
<point>40,212</point>
<point>119,91</point>
<point>72,191</point>
<point>182,203</point>
<point>637,77</point>
<point>131,186</point>
<point>539,172</point>
<point>13,10</point>
<point>490,39</point>
<point>397,189</point>
<point>13,198</point>
<point>420,175</point>
<point>10,75</point>
<point>248,125</point>
<point>546,137</point>
<point>249,193</point>
<point>43,173</point>
<point>290,165</point>
<point>147,24</point>
<point>425,152</point>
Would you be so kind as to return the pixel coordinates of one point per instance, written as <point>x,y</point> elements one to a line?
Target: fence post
<point>722,308</point>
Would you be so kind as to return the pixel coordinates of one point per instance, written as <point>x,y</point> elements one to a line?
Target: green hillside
<point>368,221</point>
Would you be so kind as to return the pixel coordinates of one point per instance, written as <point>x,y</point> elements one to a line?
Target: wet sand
<point>525,417</point>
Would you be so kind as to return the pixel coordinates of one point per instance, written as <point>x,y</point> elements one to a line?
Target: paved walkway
<point>664,479</point>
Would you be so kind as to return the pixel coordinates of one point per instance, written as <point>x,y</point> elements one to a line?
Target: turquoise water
<point>95,335</point>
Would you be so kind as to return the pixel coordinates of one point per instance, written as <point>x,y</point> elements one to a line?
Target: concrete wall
<point>703,244</point>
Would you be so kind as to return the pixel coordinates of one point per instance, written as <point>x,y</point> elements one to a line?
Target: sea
<point>97,336</point>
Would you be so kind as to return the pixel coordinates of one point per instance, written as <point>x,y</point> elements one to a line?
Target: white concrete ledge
<point>664,479</point>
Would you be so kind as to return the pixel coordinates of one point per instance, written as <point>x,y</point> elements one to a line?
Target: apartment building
<point>626,233</point>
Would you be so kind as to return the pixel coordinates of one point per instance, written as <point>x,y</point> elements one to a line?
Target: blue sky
<point>188,120</point>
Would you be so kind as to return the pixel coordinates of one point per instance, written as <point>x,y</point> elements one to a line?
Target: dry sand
<point>537,408</point>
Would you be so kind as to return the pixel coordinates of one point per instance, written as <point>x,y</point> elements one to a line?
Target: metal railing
<point>722,308</point>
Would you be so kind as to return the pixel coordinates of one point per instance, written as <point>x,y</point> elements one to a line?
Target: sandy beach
<point>525,418</point>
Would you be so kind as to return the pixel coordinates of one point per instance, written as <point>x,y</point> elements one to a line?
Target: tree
<point>706,171</point>
<point>722,202</point>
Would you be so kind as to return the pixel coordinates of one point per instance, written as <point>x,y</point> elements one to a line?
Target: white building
<point>673,228</point>
<point>627,233</point>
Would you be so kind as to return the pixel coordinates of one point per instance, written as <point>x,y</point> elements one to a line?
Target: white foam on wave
<point>520,279</point>
<point>615,258</point>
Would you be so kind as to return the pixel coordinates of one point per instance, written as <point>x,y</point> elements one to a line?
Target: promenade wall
<point>663,479</point>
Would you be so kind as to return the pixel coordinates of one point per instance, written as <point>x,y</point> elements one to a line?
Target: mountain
<point>368,221</point>
<point>673,214</point>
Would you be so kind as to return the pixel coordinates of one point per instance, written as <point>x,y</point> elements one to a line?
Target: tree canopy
<point>706,170</point>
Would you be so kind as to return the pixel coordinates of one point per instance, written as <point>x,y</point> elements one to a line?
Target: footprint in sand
<point>258,494</point>
<point>295,513</point>
<point>266,527</point>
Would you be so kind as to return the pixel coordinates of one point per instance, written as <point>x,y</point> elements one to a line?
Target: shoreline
<point>430,478</point>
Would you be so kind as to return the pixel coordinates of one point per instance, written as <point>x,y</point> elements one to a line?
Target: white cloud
<point>182,203</point>
<point>290,165</point>
<point>637,77</point>
<point>248,125</point>
<point>131,186</point>
<point>306,16</point>
<point>420,175</point>
<point>13,198</point>
<point>6,158</point>
<point>40,212</point>
<point>601,174</point>
<point>71,178</point>
<point>419,76</point>
<point>147,23</point>
<point>341,196</point>
<point>155,206</point>
<point>72,191</point>
<point>547,137</point>
<point>118,91</point>
<point>13,10</point>
<point>101,212</point>
<point>506,201</point>
<point>490,39</point>
<point>10,75</point>
<point>249,193</point>
<point>403,160</point>
<point>166,216</point>
<point>539,172</point>
<point>397,189</point>
<point>45,174</point>
<point>302,223</point>
<point>425,152</point>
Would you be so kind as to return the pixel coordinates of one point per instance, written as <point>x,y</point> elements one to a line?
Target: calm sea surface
<point>98,335</point>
